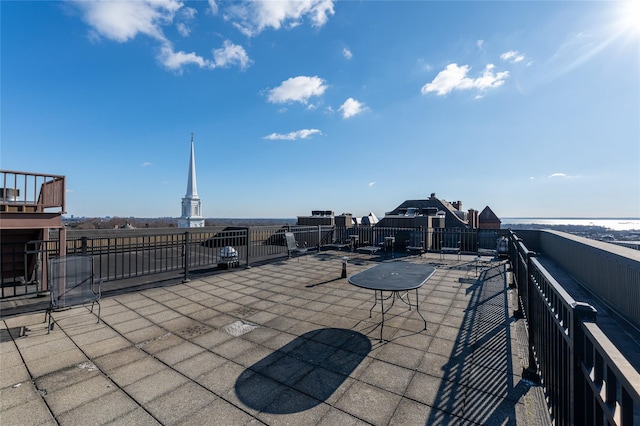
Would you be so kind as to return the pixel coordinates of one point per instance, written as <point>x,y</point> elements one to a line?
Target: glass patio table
<point>398,278</point>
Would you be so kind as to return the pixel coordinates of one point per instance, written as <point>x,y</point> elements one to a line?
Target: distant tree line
<point>164,222</point>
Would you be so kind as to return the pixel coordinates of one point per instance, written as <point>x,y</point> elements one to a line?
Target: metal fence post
<point>185,257</point>
<point>248,239</point>
<point>83,246</point>
<point>531,371</point>
<point>582,312</point>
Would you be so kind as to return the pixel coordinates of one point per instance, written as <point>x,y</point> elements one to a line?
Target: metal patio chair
<point>415,243</point>
<point>292,245</point>
<point>450,250</point>
<point>71,283</point>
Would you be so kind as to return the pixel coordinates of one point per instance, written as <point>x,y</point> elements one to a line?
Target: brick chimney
<point>473,218</point>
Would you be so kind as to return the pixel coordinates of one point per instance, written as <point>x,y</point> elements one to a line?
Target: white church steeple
<point>191,204</point>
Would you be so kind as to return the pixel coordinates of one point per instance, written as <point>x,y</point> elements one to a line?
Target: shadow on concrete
<point>324,282</point>
<point>303,373</point>
<point>478,383</point>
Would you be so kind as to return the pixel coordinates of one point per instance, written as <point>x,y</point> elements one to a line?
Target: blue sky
<point>532,108</point>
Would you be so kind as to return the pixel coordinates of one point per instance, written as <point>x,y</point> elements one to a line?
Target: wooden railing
<point>25,192</point>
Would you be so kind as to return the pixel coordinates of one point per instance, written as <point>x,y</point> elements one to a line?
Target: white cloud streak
<point>213,7</point>
<point>185,17</point>
<point>299,134</point>
<point>351,108</point>
<point>253,17</point>
<point>576,50</point>
<point>297,89</point>
<point>183,29</point>
<point>454,77</point>
<point>512,56</point>
<point>560,175</point>
<point>347,53</point>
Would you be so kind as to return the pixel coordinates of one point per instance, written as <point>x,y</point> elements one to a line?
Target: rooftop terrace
<point>287,342</point>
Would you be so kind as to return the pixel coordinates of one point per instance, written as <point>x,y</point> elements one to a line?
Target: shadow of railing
<point>309,370</point>
<point>478,382</point>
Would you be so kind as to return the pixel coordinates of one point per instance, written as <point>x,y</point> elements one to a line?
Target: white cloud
<point>253,17</point>
<point>512,56</point>
<point>297,89</point>
<point>480,44</point>
<point>371,184</point>
<point>231,54</point>
<point>351,107</point>
<point>213,7</point>
<point>176,60</point>
<point>146,164</point>
<point>347,53</point>
<point>122,21</point>
<point>183,29</point>
<point>299,134</point>
<point>186,16</point>
<point>454,77</point>
<point>561,175</point>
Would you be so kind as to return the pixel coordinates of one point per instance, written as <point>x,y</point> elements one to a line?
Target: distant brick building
<point>488,219</point>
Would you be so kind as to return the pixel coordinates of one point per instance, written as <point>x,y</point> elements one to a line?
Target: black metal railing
<point>585,376</point>
<point>129,253</point>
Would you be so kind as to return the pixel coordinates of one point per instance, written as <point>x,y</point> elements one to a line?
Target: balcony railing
<point>26,192</point>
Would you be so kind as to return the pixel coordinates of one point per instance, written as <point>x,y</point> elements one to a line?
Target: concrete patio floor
<point>285,343</point>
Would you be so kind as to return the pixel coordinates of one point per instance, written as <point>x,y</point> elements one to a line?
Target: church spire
<point>192,190</point>
<point>191,204</point>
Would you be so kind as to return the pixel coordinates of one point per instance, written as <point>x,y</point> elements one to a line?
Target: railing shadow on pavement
<point>478,383</point>
<point>303,373</point>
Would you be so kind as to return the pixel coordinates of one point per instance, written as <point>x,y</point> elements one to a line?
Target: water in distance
<point>615,224</point>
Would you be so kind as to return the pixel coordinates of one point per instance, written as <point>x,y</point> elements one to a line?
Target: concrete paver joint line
<point>6,332</point>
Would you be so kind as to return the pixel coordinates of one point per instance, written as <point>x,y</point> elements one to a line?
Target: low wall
<point>610,272</point>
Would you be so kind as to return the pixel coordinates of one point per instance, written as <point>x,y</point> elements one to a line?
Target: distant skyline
<point>531,108</point>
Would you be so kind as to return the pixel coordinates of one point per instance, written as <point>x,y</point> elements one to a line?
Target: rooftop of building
<point>287,342</point>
